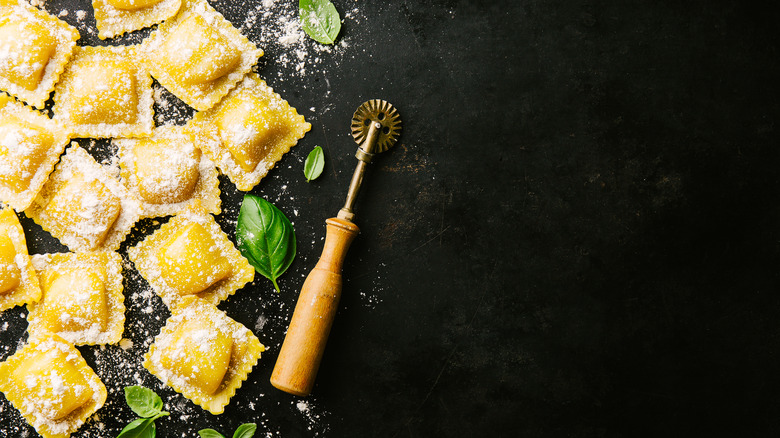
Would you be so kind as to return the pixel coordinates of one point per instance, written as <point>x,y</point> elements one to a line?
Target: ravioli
<point>199,56</point>
<point>104,94</point>
<point>248,131</point>
<point>51,385</point>
<point>203,354</point>
<point>34,49</point>
<point>30,145</point>
<point>116,17</point>
<point>84,206</point>
<point>191,255</point>
<point>82,297</point>
<point>167,173</point>
<point>18,282</point>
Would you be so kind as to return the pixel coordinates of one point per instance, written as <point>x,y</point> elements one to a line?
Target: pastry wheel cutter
<point>376,126</point>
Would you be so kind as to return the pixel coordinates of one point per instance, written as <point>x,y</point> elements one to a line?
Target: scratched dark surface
<point>577,235</point>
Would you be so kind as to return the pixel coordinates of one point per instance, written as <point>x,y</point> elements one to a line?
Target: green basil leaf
<point>246,430</point>
<point>312,168</point>
<point>265,237</point>
<point>320,19</point>
<point>210,433</point>
<point>140,428</point>
<point>143,401</point>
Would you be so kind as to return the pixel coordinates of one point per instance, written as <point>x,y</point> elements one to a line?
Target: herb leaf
<point>146,403</point>
<point>210,433</point>
<point>140,428</point>
<point>312,168</point>
<point>320,19</point>
<point>143,401</point>
<point>265,237</point>
<point>246,430</point>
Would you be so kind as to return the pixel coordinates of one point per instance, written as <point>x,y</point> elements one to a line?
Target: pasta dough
<point>34,48</point>
<point>82,297</point>
<point>116,17</point>
<point>248,131</point>
<point>191,255</point>
<point>84,206</point>
<point>103,93</point>
<point>51,385</point>
<point>203,354</point>
<point>199,56</point>
<point>30,145</point>
<point>18,282</point>
<point>167,173</point>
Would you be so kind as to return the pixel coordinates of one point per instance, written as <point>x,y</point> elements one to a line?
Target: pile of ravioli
<point>241,129</point>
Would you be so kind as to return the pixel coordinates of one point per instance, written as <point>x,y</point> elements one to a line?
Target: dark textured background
<point>577,235</point>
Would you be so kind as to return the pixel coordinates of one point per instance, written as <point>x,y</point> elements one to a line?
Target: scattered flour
<point>313,415</point>
<point>274,26</point>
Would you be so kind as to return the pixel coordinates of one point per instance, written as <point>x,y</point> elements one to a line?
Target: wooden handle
<point>301,353</point>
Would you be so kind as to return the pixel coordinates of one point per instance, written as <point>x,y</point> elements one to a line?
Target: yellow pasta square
<point>18,282</point>
<point>166,172</point>
<point>191,255</point>
<point>248,131</point>
<point>83,205</point>
<point>51,385</point>
<point>30,146</point>
<point>82,297</point>
<point>116,17</point>
<point>203,354</point>
<point>103,93</point>
<point>34,49</point>
<point>199,56</point>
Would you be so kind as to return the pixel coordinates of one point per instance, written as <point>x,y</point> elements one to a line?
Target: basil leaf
<point>320,19</point>
<point>143,401</point>
<point>312,168</point>
<point>265,237</point>
<point>210,433</point>
<point>140,428</point>
<point>246,430</point>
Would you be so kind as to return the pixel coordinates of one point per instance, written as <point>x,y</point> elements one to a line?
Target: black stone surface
<point>577,235</point>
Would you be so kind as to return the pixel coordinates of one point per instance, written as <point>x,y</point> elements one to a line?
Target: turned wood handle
<point>301,353</point>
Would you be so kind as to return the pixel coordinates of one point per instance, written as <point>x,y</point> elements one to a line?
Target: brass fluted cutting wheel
<point>384,113</point>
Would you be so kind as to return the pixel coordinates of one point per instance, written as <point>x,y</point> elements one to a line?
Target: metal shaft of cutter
<point>364,154</point>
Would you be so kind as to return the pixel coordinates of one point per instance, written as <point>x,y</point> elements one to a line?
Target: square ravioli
<point>203,354</point>
<point>166,172</point>
<point>34,49</point>
<point>18,282</point>
<point>191,255</point>
<point>30,146</point>
<point>82,298</point>
<point>52,386</point>
<point>103,93</point>
<point>83,205</point>
<point>199,56</point>
<point>248,131</point>
<point>116,17</point>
